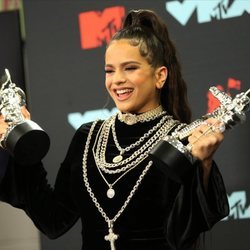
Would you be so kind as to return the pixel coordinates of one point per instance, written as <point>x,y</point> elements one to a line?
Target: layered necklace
<point>120,164</point>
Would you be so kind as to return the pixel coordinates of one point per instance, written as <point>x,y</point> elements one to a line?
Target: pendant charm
<point>130,119</point>
<point>110,193</point>
<point>117,158</point>
<point>111,237</point>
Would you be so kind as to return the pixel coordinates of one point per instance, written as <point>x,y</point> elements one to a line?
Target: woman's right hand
<point>4,125</point>
<point>25,112</point>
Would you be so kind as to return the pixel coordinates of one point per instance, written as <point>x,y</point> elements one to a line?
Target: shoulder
<point>85,128</point>
<point>80,137</point>
<point>83,131</point>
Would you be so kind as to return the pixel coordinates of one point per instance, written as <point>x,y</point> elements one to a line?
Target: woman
<point>124,199</point>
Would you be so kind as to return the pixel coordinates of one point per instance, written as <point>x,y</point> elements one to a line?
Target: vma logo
<point>239,207</point>
<point>97,27</point>
<point>213,103</point>
<point>207,10</point>
<point>77,119</point>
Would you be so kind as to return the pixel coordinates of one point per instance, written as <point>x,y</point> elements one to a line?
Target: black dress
<point>161,215</point>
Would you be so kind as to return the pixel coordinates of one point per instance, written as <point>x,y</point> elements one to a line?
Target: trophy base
<point>172,162</point>
<point>27,143</point>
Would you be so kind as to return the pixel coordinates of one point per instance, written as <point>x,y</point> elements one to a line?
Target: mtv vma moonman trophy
<point>25,140</point>
<point>174,151</point>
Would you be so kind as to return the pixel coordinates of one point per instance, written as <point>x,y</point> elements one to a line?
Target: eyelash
<point>130,68</point>
<point>109,71</point>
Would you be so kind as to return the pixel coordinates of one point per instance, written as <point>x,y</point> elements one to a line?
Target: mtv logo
<point>97,27</point>
<point>239,206</point>
<point>77,119</point>
<point>206,11</point>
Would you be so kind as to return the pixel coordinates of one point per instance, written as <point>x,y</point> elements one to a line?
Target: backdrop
<point>17,231</point>
<point>65,45</point>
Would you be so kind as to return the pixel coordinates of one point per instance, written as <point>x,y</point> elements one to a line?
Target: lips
<point>123,94</point>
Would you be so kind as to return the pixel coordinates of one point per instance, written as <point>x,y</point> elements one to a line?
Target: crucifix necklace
<point>111,237</point>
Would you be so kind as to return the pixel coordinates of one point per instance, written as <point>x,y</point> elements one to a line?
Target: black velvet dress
<point>161,215</point>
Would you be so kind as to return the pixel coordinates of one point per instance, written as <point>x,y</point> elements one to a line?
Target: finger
<point>198,133</point>
<point>205,146</point>
<point>215,127</point>
<point>220,128</point>
<point>3,130</point>
<point>210,142</point>
<point>25,112</point>
<point>203,151</point>
<point>216,123</point>
<point>189,147</point>
<point>206,127</point>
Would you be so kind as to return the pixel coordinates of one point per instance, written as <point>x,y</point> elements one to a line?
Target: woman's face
<point>130,80</point>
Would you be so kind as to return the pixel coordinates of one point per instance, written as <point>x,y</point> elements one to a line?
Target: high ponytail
<point>143,28</point>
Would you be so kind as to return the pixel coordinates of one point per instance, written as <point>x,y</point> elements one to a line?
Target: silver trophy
<point>24,139</point>
<point>174,150</point>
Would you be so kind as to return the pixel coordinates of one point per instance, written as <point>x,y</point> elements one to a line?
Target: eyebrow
<point>124,63</point>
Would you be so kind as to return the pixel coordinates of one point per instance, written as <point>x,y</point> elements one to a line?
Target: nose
<point>119,77</point>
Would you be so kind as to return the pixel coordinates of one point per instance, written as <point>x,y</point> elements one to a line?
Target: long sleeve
<point>195,211</point>
<point>163,214</point>
<point>4,158</point>
<point>51,209</point>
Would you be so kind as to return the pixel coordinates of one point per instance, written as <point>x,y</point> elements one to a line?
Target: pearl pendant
<point>110,193</point>
<point>117,158</point>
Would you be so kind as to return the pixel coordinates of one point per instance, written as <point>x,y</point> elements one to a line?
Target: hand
<point>4,125</point>
<point>204,142</point>
<point>25,112</point>
<point>206,139</point>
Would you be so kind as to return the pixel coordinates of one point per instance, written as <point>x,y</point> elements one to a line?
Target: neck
<point>131,119</point>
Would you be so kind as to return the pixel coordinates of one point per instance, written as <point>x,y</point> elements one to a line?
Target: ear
<point>161,74</point>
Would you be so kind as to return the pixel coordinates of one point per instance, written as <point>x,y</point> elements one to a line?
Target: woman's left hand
<point>204,141</point>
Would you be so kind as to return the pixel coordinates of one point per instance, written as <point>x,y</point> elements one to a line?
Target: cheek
<point>108,88</point>
<point>107,84</point>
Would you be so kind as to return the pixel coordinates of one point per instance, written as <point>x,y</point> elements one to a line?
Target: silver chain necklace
<point>131,119</point>
<point>119,157</point>
<point>100,146</point>
<point>111,236</point>
<point>131,162</point>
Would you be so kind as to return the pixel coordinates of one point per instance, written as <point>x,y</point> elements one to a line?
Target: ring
<point>189,147</point>
<point>205,123</point>
<point>222,127</point>
<point>219,128</point>
<point>213,128</point>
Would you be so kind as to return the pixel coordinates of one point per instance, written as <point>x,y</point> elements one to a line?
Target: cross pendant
<point>111,237</point>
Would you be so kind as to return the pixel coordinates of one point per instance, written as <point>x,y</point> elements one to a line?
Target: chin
<point>125,110</point>
<point>128,109</point>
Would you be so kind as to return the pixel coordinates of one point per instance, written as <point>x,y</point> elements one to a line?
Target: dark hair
<point>145,29</point>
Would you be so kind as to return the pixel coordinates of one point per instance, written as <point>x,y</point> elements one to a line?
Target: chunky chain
<point>90,191</point>
<point>137,157</point>
<point>101,146</point>
<point>138,142</point>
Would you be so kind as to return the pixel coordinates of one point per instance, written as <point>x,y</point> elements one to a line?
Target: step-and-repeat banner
<point>65,45</point>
